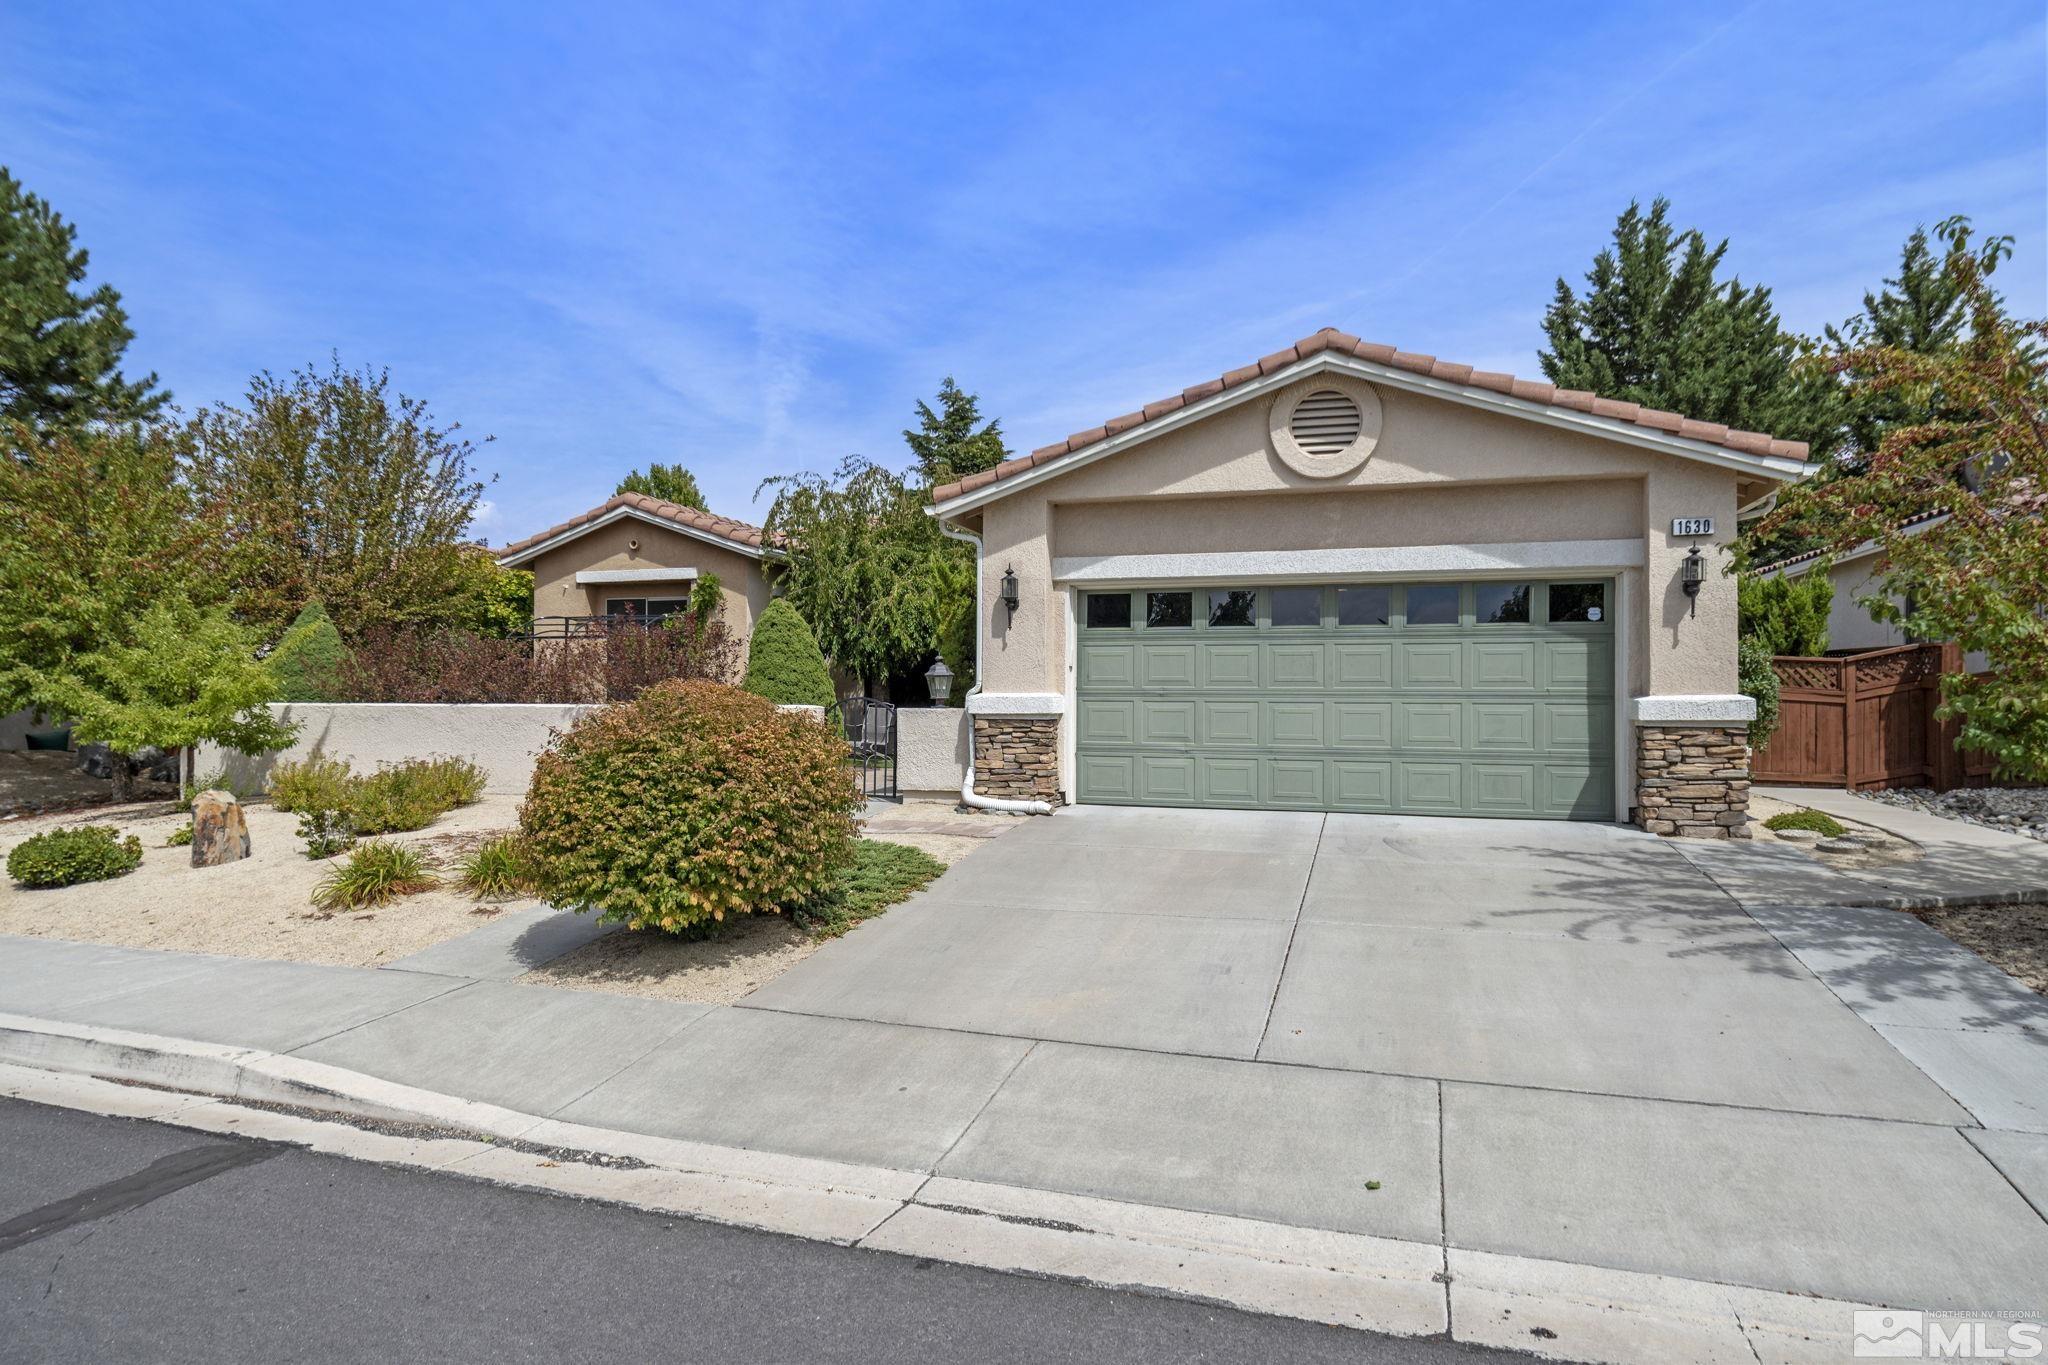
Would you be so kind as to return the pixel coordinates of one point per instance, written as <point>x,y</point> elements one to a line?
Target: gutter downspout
<point>968,796</point>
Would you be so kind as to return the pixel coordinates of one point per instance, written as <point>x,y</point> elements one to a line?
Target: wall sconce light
<point>938,679</point>
<point>1691,575</point>
<point>1010,590</point>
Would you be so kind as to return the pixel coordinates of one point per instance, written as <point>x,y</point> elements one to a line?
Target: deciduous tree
<point>669,482</point>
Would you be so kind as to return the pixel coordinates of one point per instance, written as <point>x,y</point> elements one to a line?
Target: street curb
<point>1554,1309</point>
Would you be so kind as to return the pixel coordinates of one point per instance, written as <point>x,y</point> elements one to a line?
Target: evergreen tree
<point>783,661</point>
<point>307,662</point>
<point>669,482</point>
<point>1657,327</point>
<point>954,442</point>
<point>1787,615</point>
<point>60,349</point>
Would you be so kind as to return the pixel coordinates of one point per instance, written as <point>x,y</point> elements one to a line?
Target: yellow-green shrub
<point>694,802</point>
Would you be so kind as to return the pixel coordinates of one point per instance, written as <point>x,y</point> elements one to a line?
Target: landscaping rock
<point>219,832</point>
<point>2016,810</point>
<point>1799,836</point>
<point>1841,846</point>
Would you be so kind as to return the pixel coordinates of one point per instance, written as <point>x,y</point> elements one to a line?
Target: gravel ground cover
<point>2012,938</point>
<point>2016,810</point>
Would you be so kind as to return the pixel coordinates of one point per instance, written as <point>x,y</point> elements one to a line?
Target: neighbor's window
<point>1433,604</point>
<point>1364,606</point>
<point>625,606</point>
<point>1578,601</point>
<point>1169,609</point>
<point>1109,610</point>
<point>1297,606</point>
<point>1503,604</point>
<point>1234,607</point>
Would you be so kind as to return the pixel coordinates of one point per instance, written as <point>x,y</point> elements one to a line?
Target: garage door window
<point>1164,610</point>
<point>1365,606</point>
<point>1578,602</point>
<point>1502,604</point>
<point>1297,606</point>
<point>1433,604</point>
<point>1233,607</point>
<point>1109,611</point>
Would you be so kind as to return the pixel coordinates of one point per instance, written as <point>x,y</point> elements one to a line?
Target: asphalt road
<point>122,1240</point>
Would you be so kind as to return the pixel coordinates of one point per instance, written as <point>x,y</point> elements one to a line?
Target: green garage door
<point>1491,698</point>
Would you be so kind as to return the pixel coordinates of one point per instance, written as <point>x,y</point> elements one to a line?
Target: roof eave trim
<point>532,552</point>
<point>1627,433</point>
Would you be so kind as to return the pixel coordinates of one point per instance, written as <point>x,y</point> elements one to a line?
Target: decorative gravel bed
<point>2016,810</point>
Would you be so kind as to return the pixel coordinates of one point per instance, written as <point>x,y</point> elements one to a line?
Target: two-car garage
<point>1427,697</point>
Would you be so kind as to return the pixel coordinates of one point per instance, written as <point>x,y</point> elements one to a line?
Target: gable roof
<point>1332,349</point>
<point>733,535</point>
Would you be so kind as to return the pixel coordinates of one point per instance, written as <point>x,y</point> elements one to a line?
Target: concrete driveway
<point>1563,1041</point>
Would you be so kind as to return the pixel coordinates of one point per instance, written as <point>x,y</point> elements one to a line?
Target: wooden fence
<point>1864,721</point>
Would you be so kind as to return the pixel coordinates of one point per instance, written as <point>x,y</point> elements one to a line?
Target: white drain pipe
<point>968,796</point>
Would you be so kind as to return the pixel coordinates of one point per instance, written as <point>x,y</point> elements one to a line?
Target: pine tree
<point>669,482</point>
<point>954,442</point>
<point>1657,327</point>
<point>60,350</point>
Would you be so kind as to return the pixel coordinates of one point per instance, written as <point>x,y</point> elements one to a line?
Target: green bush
<point>308,660</point>
<point>496,869</point>
<point>181,837</point>
<point>880,875</point>
<point>377,872</point>
<point>413,794</point>
<point>1820,822</point>
<point>692,803</point>
<point>326,832</point>
<point>1787,615</point>
<point>783,661</point>
<point>65,857</point>
<point>1757,680</point>
<point>313,783</point>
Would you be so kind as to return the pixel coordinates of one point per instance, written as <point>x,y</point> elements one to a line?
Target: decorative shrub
<point>783,661</point>
<point>1757,680</point>
<point>326,832</point>
<point>377,872</point>
<point>307,661</point>
<point>495,869</point>
<point>65,857</point>
<point>1820,822</point>
<point>413,794</point>
<point>880,875</point>
<point>1787,615</point>
<point>603,662</point>
<point>180,837</point>
<point>695,802</point>
<point>313,783</point>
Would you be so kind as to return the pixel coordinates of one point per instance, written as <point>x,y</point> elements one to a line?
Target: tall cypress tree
<point>60,349</point>
<point>953,442</point>
<point>1656,326</point>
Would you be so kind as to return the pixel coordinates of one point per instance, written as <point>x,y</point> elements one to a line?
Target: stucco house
<point>1349,578</point>
<point>637,556</point>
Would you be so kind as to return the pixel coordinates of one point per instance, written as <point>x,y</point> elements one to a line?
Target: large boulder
<point>220,834</point>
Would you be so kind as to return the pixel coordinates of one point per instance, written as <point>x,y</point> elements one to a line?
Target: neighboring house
<point>636,556</point>
<point>1854,574</point>
<point>1347,578</point>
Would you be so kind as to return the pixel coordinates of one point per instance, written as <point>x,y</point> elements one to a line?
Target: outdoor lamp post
<point>1692,575</point>
<point>939,679</point>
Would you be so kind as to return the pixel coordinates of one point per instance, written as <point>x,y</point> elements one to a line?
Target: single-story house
<point>1349,578</point>
<point>639,557</point>
<point>1854,574</point>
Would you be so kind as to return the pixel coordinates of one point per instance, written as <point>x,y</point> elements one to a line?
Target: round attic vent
<point>1325,423</point>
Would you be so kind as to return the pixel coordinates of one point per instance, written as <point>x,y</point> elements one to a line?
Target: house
<point>1854,575</point>
<point>633,556</point>
<point>1349,578</point>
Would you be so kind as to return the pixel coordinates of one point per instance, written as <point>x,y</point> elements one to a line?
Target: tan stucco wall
<point>556,592</point>
<point>1441,474</point>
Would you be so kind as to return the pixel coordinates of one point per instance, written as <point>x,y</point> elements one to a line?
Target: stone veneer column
<point>1017,757</point>
<point>1692,779</point>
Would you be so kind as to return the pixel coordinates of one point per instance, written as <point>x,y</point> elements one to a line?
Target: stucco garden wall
<point>502,740</point>
<point>931,749</point>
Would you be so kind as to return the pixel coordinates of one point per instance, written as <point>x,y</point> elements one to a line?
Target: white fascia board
<point>1627,433</point>
<point>533,552</point>
<point>1409,561</point>
<point>584,576</point>
<point>1695,709</point>
<point>1016,704</point>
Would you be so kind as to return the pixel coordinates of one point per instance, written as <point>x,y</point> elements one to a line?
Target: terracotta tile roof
<point>725,528</point>
<point>1934,514</point>
<point>1330,339</point>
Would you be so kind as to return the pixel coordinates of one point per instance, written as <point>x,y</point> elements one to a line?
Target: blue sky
<point>749,238</point>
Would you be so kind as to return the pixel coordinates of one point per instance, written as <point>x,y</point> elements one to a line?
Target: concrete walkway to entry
<point>1564,1042</point>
